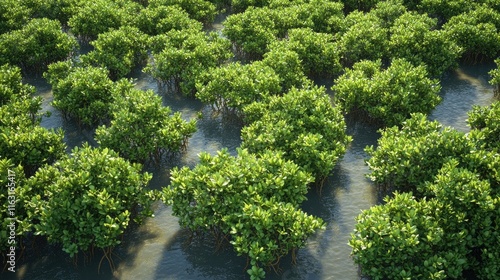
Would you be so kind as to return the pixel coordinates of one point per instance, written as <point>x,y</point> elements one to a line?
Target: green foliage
<point>365,38</point>
<point>161,19</point>
<point>88,199</point>
<point>37,44</point>
<point>252,198</point>
<point>31,147</point>
<point>142,129</point>
<point>81,92</point>
<point>200,10</point>
<point>118,51</point>
<point>12,15</point>
<point>303,125</point>
<point>407,157</point>
<point>268,231</point>
<point>88,21</point>
<point>60,10</point>
<point>286,63</point>
<point>476,32</point>
<point>213,194</point>
<point>495,77</point>
<point>413,38</point>
<point>453,231</point>
<point>487,120</point>
<point>180,57</point>
<point>317,51</point>
<point>404,239</point>
<point>235,86</point>
<point>389,95</point>
<point>11,85</point>
<point>253,30</point>
<point>445,10</point>
<point>22,141</point>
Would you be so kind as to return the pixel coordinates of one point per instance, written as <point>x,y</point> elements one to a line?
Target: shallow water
<point>158,249</point>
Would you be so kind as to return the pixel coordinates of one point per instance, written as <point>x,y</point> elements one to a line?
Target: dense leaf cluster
<point>389,95</point>
<point>447,220</point>
<point>303,125</point>
<point>142,128</point>
<point>253,199</point>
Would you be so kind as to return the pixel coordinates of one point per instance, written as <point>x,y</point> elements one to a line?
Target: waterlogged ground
<point>159,249</point>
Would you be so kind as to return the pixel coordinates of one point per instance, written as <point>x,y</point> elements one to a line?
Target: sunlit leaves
<point>495,77</point>
<point>179,57</point>
<point>487,121</point>
<point>303,125</point>
<point>142,129</point>
<point>414,38</point>
<point>88,198</point>
<point>252,198</point>
<point>407,157</point>
<point>118,51</point>
<point>317,51</point>
<point>155,20</point>
<point>37,44</point>
<point>235,86</point>
<point>389,95</point>
<point>443,235</point>
<point>81,92</point>
<point>91,19</point>
<point>477,32</point>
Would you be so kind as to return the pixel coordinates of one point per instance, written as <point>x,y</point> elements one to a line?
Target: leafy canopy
<point>142,128</point>
<point>387,95</point>
<point>303,125</point>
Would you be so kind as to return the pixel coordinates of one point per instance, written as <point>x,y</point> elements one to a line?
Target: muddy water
<point>158,249</point>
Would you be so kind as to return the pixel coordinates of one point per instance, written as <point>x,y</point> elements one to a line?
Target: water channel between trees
<point>159,249</point>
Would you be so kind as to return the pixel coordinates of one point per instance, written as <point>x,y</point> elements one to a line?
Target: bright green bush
<point>234,86</point>
<point>251,31</point>
<point>180,57</point>
<point>13,15</point>
<point>31,147</point>
<point>270,230</point>
<point>118,51</point>
<point>414,37</point>
<point>88,21</point>
<point>11,85</point>
<point>407,157</point>
<point>286,63</point>
<point>216,190</point>
<point>365,38</point>
<point>404,239</point>
<point>495,77</point>
<point>389,96</point>
<point>451,231</point>
<point>477,32</point>
<point>60,10</point>
<point>22,141</point>
<point>303,125</point>
<point>200,10</point>
<point>251,198</point>
<point>161,19</point>
<point>317,51</point>
<point>81,92</point>
<point>142,129</point>
<point>38,43</point>
<point>88,200</point>
<point>487,120</point>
